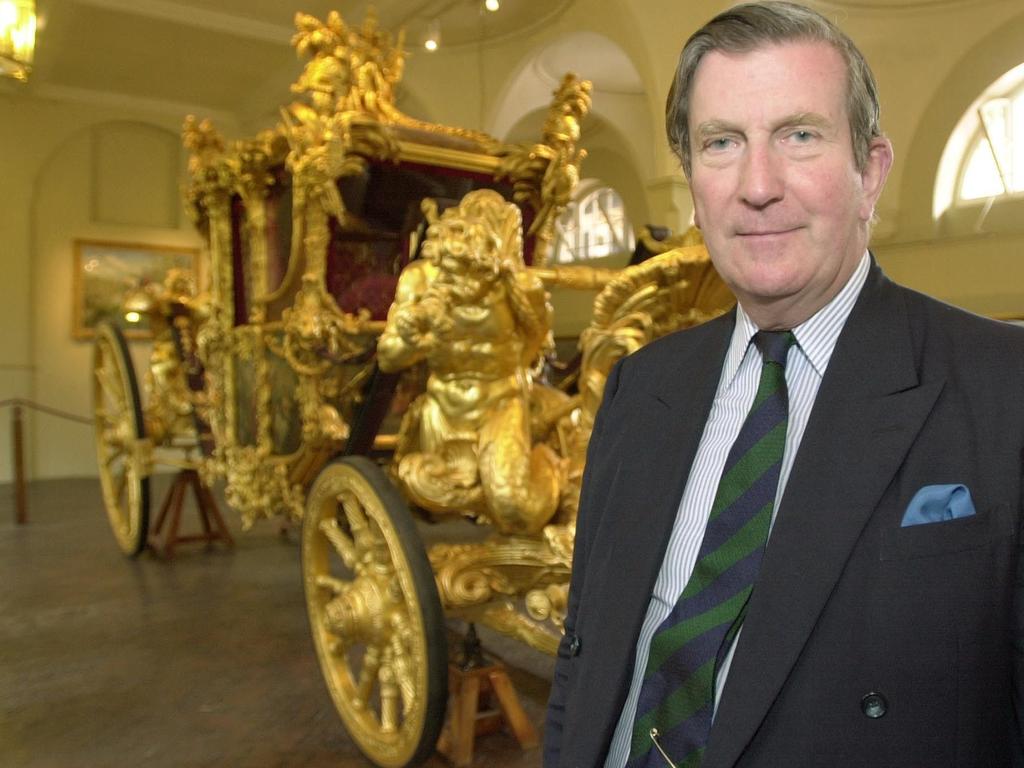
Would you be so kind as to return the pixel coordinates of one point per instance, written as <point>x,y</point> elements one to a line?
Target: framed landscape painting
<point>105,272</point>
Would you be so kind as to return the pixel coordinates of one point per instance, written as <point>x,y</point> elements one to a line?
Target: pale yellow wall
<point>102,170</point>
<point>70,170</point>
<point>114,181</point>
<point>971,257</point>
<point>983,274</point>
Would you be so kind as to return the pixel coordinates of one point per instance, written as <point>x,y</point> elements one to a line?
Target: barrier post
<point>20,491</point>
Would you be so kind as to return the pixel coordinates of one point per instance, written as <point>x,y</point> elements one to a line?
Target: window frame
<point>962,142</point>
<point>589,190</point>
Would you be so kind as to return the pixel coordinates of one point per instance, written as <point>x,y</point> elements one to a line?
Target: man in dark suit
<point>872,615</point>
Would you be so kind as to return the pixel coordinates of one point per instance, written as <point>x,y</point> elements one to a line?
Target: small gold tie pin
<point>654,738</point>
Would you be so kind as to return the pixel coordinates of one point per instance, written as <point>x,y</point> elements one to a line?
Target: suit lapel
<point>657,447</point>
<point>870,406</point>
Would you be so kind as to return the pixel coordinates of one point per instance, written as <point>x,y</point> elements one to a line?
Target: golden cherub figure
<point>479,318</point>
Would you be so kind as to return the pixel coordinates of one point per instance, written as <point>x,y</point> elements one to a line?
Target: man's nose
<point>761,182</point>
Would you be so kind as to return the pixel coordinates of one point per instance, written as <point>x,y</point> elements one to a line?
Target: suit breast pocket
<point>949,536</point>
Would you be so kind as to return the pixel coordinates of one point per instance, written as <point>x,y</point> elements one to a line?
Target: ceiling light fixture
<point>492,5</point>
<point>433,39</point>
<point>17,37</point>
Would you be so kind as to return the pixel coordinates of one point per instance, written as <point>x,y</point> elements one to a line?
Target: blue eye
<point>802,137</point>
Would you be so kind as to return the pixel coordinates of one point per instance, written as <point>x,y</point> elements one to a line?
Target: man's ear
<point>876,171</point>
<point>693,201</point>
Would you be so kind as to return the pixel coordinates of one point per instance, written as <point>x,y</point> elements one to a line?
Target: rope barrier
<point>17,401</point>
<point>18,439</point>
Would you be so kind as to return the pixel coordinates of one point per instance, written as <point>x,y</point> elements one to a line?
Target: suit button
<point>574,646</point>
<point>874,705</point>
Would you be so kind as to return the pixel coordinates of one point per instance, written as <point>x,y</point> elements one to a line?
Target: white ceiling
<point>226,57</point>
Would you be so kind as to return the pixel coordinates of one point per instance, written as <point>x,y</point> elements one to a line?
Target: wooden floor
<point>205,660</point>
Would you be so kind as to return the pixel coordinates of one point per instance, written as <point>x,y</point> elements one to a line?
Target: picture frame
<point>106,271</point>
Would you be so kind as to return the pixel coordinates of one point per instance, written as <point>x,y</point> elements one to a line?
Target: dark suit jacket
<point>847,602</point>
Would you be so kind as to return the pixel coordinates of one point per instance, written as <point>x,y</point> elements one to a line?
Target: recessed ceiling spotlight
<point>492,5</point>
<point>433,39</point>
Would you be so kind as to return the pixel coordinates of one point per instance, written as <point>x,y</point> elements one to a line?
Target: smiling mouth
<point>767,233</point>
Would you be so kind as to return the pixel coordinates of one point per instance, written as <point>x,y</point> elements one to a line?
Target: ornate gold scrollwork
<point>545,175</point>
<point>691,236</point>
<point>208,171</point>
<point>208,199</point>
<point>259,487</point>
<point>318,340</point>
<point>676,289</point>
<point>482,582</point>
<point>251,164</point>
<point>317,336</point>
<point>348,80</point>
<point>170,403</point>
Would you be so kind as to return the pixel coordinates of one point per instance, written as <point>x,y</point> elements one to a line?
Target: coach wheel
<point>374,612</point>
<point>120,440</point>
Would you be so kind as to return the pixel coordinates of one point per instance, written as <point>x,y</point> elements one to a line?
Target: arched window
<point>984,157</point>
<point>593,225</point>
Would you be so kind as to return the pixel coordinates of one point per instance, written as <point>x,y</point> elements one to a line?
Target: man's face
<point>783,208</point>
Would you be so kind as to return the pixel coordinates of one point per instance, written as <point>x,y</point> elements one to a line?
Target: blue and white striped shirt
<point>805,367</point>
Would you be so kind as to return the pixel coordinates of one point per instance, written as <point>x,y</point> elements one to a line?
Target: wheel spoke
<point>357,522</point>
<point>389,694</point>
<point>368,675</point>
<point>343,545</point>
<point>117,451</point>
<point>121,484</point>
<point>331,584</point>
<point>110,383</point>
<point>405,676</point>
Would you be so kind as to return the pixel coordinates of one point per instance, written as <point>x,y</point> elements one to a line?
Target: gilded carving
<point>479,318</point>
<point>259,487</point>
<point>317,336</point>
<point>691,236</point>
<point>251,165</point>
<point>482,582</point>
<point>676,289</point>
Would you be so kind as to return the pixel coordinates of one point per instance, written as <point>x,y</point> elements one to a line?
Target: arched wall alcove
<point>616,133</point>
<point>974,267</point>
<point>986,61</point>
<point>115,180</point>
<point>619,96</point>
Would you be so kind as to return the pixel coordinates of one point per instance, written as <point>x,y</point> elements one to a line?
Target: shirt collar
<point>816,337</point>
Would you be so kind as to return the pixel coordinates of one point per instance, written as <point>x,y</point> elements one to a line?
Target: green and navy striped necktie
<point>676,704</point>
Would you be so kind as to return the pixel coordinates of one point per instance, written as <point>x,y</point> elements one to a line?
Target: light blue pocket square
<point>937,503</point>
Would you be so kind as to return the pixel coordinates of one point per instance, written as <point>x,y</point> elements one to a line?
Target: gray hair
<point>752,26</point>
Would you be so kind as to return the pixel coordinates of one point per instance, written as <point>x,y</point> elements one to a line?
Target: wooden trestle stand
<point>214,528</point>
<point>472,682</point>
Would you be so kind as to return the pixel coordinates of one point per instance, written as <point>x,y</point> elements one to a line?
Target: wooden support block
<point>512,710</point>
<point>468,691</point>
<point>210,518</point>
